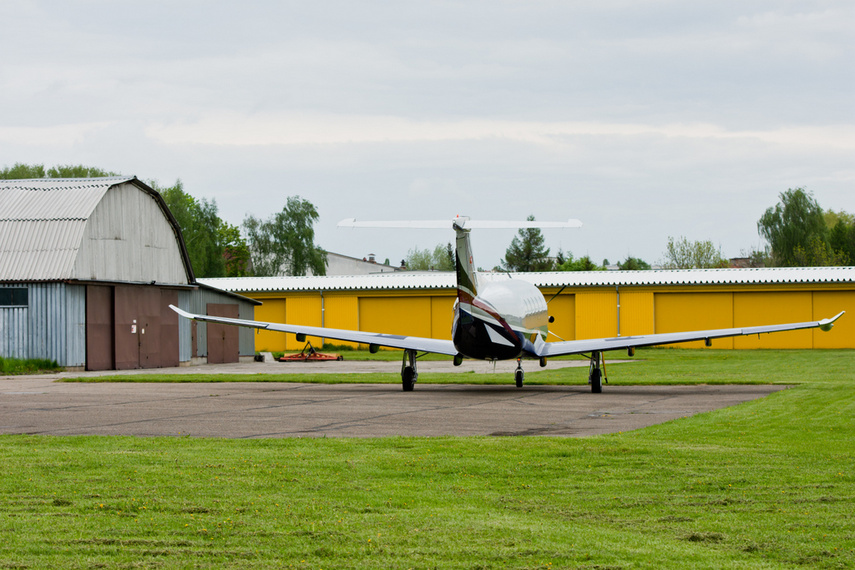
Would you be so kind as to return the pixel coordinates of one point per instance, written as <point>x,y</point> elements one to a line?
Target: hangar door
<point>130,326</point>
<point>223,340</point>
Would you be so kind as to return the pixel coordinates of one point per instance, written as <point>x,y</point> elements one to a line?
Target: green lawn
<point>766,484</point>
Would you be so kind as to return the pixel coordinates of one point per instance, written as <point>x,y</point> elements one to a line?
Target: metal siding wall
<point>272,311</point>
<point>246,336</point>
<point>678,312</point>
<point>441,309</point>
<point>596,314</point>
<point>199,304</point>
<point>46,335</point>
<point>395,315</point>
<point>184,340</point>
<point>636,312</point>
<point>75,320</point>
<point>563,308</point>
<point>129,239</point>
<point>827,304</point>
<point>303,310</point>
<point>341,312</point>
<point>769,308</point>
<point>14,331</point>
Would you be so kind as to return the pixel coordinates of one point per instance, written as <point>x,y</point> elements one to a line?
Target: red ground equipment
<point>309,354</point>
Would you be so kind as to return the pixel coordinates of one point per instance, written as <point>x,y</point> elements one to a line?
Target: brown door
<point>127,327</point>
<point>169,353</point>
<point>99,327</point>
<point>148,312</point>
<point>222,339</point>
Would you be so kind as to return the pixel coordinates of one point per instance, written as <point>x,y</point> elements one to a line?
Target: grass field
<point>767,484</point>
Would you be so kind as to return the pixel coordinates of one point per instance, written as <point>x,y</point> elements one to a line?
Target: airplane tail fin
<point>467,279</point>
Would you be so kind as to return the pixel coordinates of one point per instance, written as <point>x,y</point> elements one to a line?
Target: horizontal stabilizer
<point>460,221</point>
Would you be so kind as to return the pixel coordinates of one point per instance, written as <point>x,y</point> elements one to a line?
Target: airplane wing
<point>389,340</point>
<point>545,349</point>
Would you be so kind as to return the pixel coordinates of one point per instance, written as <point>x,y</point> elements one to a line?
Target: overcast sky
<point>643,118</point>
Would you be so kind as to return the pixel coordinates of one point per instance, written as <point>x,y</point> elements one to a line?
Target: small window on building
<point>13,297</point>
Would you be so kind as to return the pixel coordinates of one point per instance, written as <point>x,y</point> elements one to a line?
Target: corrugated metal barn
<point>88,269</point>
<point>585,304</point>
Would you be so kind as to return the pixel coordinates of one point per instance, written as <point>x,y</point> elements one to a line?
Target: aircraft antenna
<point>553,297</point>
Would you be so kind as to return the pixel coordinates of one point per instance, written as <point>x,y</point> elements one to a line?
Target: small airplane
<point>498,320</point>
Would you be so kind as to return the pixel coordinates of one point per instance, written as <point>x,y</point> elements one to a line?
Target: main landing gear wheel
<point>596,382</point>
<point>519,375</point>
<point>595,377</point>
<point>408,379</point>
<point>409,374</point>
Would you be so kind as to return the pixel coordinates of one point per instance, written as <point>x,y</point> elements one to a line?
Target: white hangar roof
<point>446,280</point>
<point>101,229</point>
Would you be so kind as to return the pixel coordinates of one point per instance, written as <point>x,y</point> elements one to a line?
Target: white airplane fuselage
<point>501,322</point>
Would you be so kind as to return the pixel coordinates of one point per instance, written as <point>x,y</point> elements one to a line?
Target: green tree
<point>527,251</point>
<point>633,264</point>
<point>201,227</point>
<point>440,259</point>
<point>683,254</point>
<point>817,253</point>
<point>284,243</point>
<point>842,240</point>
<point>21,171</point>
<point>584,263</point>
<point>796,222</point>
<point>235,251</point>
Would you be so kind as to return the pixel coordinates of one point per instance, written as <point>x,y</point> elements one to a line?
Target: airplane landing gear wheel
<point>519,375</point>
<point>409,373</point>
<point>595,376</point>
<point>408,379</point>
<point>596,382</point>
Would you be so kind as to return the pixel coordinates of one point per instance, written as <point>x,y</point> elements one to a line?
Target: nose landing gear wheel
<point>519,375</point>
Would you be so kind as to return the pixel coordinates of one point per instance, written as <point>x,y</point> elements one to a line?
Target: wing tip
<point>826,325</point>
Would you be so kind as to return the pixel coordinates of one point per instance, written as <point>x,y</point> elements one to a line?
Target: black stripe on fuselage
<point>472,339</point>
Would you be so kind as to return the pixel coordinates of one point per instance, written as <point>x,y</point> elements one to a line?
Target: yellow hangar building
<point>584,304</point>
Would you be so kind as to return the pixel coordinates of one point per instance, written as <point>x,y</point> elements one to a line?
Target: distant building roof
<point>338,264</point>
<point>446,280</point>
<point>47,232</point>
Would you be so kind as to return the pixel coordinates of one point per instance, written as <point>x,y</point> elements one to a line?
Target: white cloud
<point>301,129</point>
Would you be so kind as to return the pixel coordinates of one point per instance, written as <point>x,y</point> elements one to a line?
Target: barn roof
<point>43,223</point>
<point>446,280</point>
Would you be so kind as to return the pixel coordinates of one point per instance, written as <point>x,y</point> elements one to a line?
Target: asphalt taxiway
<point>40,404</point>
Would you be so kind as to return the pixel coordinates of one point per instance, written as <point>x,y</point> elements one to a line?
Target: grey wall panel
<point>14,330</point>
<point>39,330</point>
<point>184,338</point>
<point>247,336</point>
<point>129,239</point>
<point>198,304</point>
